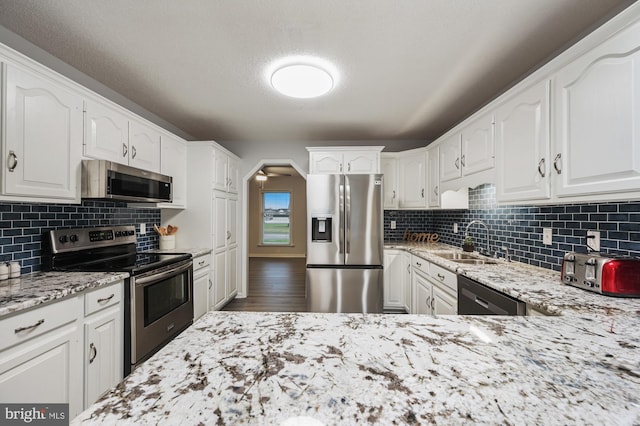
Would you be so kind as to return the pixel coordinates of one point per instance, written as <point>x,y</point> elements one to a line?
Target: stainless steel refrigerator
<point>344,243</point>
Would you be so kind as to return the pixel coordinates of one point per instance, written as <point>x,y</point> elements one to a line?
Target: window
<point>276,218</point>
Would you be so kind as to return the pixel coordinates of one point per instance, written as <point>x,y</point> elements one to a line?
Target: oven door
<point>161,307</point>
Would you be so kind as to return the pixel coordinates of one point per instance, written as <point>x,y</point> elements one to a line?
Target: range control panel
<point>63,240</point>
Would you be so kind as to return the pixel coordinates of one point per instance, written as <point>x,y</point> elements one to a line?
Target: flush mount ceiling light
<point>301,78</point>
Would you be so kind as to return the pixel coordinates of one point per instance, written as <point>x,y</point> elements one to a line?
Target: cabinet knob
<point>12,161</point>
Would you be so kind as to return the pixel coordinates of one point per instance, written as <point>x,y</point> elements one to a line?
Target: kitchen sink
<point>465,258</point>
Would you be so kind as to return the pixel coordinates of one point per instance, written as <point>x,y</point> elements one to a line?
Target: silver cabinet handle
<point>435,191</point>
<point>408,269</point>
<point>125,149</point>
<point>394,195</point>
<point>201,263</point>
<point>228,235</point>
<point>133,152</point>
<point>349,166</point>
<point>106,299</point>
<point>432,304</point>
<point>210,284</point>
<point>555,163</point>
<point>340,167</point>
<point>93,353</point>
<point>419,264</point>
<point>463,161</point>
<point>457,163</point>
<point>441,277</point>
<point>12,161</point>
<point>29,327</point>
<point>541,168</point>
<point>422,193</point>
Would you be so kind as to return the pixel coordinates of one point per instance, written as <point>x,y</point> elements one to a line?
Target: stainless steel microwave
<point>106,180</point>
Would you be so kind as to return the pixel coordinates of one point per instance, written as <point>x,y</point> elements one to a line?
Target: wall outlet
<point>455,228</point>
<point>593,240</point>
<point>393,224</point>
<point>547,236</point>
<point>143,228</point>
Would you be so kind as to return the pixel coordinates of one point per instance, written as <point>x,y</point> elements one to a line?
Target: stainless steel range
<point>158,295</point>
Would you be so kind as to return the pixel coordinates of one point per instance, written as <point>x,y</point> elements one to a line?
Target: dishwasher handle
<point>481,302</point>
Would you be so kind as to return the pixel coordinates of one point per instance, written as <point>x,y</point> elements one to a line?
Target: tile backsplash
<point>519,228</point>
<point>23,225</point>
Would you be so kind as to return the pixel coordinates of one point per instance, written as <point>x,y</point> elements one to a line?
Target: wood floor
<point>275,285</point>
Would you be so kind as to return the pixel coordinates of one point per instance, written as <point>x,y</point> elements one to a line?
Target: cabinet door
<point>103,353</point>
<point>477,146</point>
<point>406,280</point>
<point>232,222</point>
<point>443,302</point>
<point>106,133</point>
<point>433,168</point>
<point>522,146</point>
<point>219,222</point>
<point>220,171</point>
<point>173,162</point>
<point>46,369</point>
<point>43,138</point>
<point>393,281</point>
<point>200,293</point>
<point>232,272</point>
<point>413,181</point>
<point>389,168</point>
<point>422,287</point>
<point>361,162</point>
<point>144,147</point>
<point>218,295</point>
<point>325,162</point>
<point>450,167</point>
<point>233,175</point>
<point>597,119</point>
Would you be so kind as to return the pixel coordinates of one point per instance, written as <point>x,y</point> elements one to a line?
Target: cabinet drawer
<point>444,276</point>
<point>102,298</point>
<point>201,262</point>
<point>36,322</point>
<point>420,264</point>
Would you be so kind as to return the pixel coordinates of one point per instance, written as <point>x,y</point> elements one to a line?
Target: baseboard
<point>290,255</point>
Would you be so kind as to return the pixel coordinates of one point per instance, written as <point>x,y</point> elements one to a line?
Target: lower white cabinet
<point>393,293</point>
<point>201,285</point>
<point>423,302</point>
<point>69,351</point>
<point>225,249</point>
<point>443,302</point>
<point>434,288</point>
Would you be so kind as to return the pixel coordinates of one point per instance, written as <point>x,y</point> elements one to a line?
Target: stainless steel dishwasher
<point>477,299</point>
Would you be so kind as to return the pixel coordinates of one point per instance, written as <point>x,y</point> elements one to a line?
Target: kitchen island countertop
<point>269,368</point>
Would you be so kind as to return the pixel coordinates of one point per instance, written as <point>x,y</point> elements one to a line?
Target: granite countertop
<point>30,290</point>
<point>538,287</point>
<point>277,368</point>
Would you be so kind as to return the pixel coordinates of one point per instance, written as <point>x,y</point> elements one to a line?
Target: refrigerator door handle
<point>341,217</point>
<point>347,216</point>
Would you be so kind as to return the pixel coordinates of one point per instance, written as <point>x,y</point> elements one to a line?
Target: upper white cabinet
<point>144,146</point>
<point>226,172</point>
<point>173,162</point>
<point>433,177</point>
<point>389,168</point>
<point>523,166</point>
<point>337,160</point>
<point>110,134</point>
<point>413,179</point>
<point>43,136</point>
<point>468,152</point>
<point>597,119</point>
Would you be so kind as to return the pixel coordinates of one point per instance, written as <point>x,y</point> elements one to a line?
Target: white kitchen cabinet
<point>103,341</point>
<point>434,288</point>
<point>597,119</point>
<point>389,168</point>
<point>394,275</point>
<point>173,162</point>
<point>433,177</point>
<point>226,173</point>
<point>406,268</point>
<point>413,179</point>
<point>523,166</point>
<point>202,284</point>
<point>144,146</point>
<point>423,288</point>
<point>41,356</point>
<point>42,136</point>
<point>443,302</point>
<point>468,152</point>
<point>336,160</point>
<point>225,248</point>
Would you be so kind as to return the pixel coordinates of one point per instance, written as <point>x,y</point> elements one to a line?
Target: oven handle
<point>165,274</point>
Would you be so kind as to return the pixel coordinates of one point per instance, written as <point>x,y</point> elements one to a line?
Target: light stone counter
<point>538,287</point>
<point>35,289</point>
<point>269,368</point>
<point>194,251</point>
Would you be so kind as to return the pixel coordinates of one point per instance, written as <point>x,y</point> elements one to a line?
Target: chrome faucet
<point>479,222</point>
<point>507,255</point>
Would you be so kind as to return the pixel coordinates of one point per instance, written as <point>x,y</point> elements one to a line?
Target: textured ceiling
<point>409,70</point>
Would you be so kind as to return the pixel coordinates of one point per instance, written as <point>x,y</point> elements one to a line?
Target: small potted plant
<point>467,244</point>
